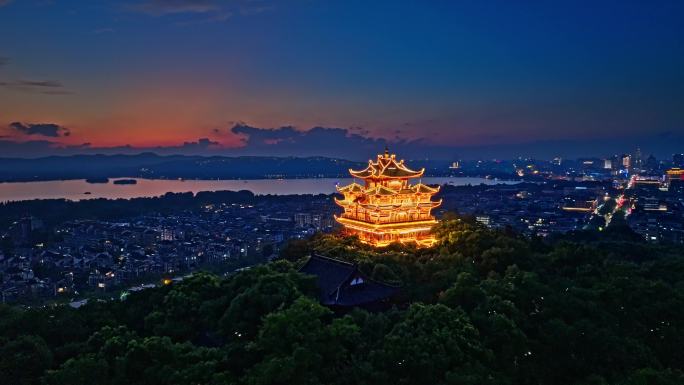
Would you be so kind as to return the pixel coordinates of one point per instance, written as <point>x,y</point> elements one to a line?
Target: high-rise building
<point>637,163</point>
<point>166,234</point>
<point>302,219</point>
<point>387,208</point>
<point>607,164</point>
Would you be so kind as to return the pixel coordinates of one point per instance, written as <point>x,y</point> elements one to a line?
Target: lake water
<point>76,189</point>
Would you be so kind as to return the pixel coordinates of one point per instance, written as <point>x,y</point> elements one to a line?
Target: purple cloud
<point>42,129</point>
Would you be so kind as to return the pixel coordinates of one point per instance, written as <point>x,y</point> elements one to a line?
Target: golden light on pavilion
<point>387,208</point>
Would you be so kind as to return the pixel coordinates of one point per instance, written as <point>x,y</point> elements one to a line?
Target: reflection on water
<point>80,189</point>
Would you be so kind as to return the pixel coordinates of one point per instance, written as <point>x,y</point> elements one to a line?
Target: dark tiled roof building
<point>342,285</point>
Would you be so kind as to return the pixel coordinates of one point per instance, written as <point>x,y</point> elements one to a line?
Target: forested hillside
<point>482,307</point>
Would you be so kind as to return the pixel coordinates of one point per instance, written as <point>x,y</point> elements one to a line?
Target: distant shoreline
<point>151,166</point>
<point>111,178</point>
<point>126,188</point>
<point>146,177</point>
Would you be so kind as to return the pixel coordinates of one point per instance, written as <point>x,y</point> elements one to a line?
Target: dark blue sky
<point>537,77</point>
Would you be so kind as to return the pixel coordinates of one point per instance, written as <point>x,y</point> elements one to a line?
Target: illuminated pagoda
<point>387,208</point>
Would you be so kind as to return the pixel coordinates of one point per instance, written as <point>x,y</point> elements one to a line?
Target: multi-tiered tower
<point>387,208</point>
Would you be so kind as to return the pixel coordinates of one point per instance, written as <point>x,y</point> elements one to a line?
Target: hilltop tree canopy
<point>482,307</point>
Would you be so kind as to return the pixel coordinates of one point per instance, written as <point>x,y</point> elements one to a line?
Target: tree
<point>180,315</point>
<point>266,292</point>
<point>84,370</point>
<point>464,293</point>
<point>303,345</point>
<point>294,250</point>
<point>481,307</point>
<point>433,344</point>
<point>24,360</point>
<point>650,376</point>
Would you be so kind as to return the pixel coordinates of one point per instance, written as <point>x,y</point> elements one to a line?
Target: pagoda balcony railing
<point>398,219</point>
<point>391,200</point>
<point>390,203</point>
<point>404,202</point>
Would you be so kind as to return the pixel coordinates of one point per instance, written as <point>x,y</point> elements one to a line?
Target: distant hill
<point>153,166</point>
<point>149,165</point>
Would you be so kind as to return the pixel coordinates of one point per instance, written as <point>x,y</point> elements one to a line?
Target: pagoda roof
<point>424,189</point>
<point>381,190</point>
<point>353,187</point>
<point>344,202</point>
<point>386,166</point>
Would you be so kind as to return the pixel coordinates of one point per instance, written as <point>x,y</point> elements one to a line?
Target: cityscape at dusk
<point>258,192</point>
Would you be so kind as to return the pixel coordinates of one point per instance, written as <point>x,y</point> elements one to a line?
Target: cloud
<point>317,141</point>
<point>355,144</point>
<point>203,146</point>
<point>46,87</point>
<point>344,143</point>
<point>256,9</point>
<point>39,83</point>
<point>200,144</point>
<point>3,59</point>
<point>101,31</point>
<point>201,11</point>
<point>167,7</point>
<point>57,92</point>
<point>42,129</point>
<point>4,2</point>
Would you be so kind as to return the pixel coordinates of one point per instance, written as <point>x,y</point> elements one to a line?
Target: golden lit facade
<point>674,174</point>
<point>387,208</point>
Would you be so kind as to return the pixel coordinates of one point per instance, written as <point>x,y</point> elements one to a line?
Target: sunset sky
<point>212,76</point>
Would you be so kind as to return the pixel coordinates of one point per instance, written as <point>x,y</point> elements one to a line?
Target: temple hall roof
<point>341,283</point>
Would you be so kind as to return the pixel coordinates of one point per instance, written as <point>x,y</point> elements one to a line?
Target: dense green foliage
<point>482,307</point>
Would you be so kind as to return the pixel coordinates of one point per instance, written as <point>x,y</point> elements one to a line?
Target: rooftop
<point>341,283</point>
<point>386,166</point>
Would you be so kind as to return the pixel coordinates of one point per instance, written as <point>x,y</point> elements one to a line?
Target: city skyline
<point>332,192</point>
<point>304,78</point>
